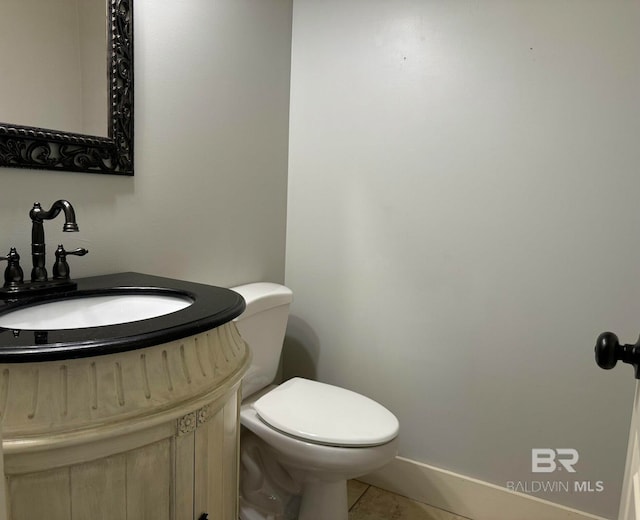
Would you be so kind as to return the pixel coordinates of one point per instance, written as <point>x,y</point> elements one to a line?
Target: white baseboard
<point>466,496</point>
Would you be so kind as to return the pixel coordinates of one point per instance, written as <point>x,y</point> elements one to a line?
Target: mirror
<point>57,78</point>
<point>70,108</point>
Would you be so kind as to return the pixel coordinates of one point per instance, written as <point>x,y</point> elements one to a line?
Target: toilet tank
<point>262,325</point>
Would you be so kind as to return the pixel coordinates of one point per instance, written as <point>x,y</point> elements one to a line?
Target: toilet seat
<point>326,414</point>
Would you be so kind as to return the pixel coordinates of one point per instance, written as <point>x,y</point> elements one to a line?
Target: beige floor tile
<point>377,504</point>
<point>355,489</point>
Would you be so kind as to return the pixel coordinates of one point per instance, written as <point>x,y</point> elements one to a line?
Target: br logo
<point>546,460</point>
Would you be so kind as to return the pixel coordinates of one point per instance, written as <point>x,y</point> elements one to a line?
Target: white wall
<point>208,200</point>
<point>463,222</point>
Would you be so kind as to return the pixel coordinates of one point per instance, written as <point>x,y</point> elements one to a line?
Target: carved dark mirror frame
<point>41,148</point>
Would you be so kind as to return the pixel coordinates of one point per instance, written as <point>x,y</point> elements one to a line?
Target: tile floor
<point>371,503</point>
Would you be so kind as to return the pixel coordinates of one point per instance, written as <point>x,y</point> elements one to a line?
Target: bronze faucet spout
<point>38,248</point>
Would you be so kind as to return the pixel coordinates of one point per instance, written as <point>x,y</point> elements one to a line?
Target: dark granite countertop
<point>212,307</point>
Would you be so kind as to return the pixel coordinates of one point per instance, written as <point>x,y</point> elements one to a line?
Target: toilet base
<point>324,501</point>
<point>288,478</point>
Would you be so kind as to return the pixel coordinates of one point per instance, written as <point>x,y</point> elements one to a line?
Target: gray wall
<point>463,222</point>
<point>208,200</point>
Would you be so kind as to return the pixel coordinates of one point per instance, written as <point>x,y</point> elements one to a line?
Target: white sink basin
<point>93,311</point>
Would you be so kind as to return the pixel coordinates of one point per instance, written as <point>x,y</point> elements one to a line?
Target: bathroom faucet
<point>14,285</point>
<point>38,249</point>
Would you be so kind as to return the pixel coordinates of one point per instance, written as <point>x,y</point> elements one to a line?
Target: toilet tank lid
<point>261,296</point>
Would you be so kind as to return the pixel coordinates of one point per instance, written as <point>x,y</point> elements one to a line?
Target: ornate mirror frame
<point>41,148</point>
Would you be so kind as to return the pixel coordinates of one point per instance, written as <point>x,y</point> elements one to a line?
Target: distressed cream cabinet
<point>146,434</point>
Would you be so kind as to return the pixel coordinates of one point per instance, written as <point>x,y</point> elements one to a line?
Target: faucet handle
<point>13,274</point>
<point>78,251</point>
<point>61,267</point>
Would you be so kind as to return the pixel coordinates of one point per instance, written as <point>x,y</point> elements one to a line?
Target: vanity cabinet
<point>151,433</point>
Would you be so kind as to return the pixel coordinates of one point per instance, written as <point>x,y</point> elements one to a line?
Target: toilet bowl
<point>301,440</point>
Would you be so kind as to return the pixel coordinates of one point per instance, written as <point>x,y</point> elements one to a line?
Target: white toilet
<point>303,439</point>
